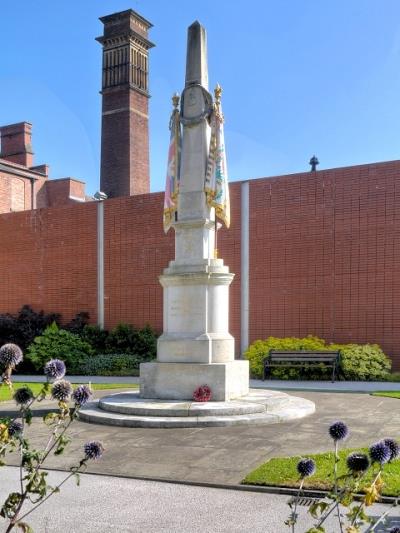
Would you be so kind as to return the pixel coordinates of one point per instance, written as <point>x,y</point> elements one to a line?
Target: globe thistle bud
<point>338,431</point>
<point>61,390</point>
<point>380,453</point>
<point>10,355</point>
<point>81,395</point>
<point>394,448</point>
<point>306,467</point>
<point>15,428</point>
<point>93,450</point>
<point>23,395</point>
<point>357,462</point>
<point>55,369</point>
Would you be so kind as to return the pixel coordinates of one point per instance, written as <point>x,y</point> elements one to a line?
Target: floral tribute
<point>202,394</point>
<point>33,486</point>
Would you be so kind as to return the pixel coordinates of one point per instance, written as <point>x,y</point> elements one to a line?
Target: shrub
<point>109,365</point>
<point>124,338</point>
<point>95,336</point>
<point>78,323</point>
<point>358,361</point>
<point>57,343</point>
<point>363,361</point>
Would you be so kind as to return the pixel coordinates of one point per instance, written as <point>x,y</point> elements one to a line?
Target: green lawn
<point>282,472</point>
<point>6,394</point>
<point>388,393</point>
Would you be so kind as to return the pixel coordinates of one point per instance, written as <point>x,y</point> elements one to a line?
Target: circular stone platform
<point>258,407</point>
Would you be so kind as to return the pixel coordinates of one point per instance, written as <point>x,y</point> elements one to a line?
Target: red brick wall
<point>48,260</point>
<point>325,255</point>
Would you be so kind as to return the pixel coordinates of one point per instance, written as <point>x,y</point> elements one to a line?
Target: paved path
<point>226,455</point>
<point>315,386</point>
<point>111,504</point>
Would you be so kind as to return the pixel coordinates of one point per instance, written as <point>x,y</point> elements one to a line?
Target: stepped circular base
<point>258,407</point>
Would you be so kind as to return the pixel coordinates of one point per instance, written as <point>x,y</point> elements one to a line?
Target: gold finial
<point>218,92</point>
<point>175,100</point>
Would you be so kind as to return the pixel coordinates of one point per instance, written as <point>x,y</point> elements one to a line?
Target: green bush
<point>124,338</point>
<point>109,365</point>
<point>55,343</point>
<point>363,362</point>
<point>358,361</point>
<point>95,336</point>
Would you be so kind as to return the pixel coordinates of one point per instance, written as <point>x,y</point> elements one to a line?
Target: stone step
<point>271,408</point>
<point>130,403</point>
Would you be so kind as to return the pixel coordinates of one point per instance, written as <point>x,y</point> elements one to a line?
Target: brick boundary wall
<point>324,257</point>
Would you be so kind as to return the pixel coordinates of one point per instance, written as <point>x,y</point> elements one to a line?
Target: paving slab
<point>196,454</point>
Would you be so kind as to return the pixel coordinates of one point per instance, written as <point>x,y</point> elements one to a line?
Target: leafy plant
<point>57,343</point>
<point>78,323</point>
<point>363,361</point>
<point>33,485</point>
<point>109,365</point>
<point>95,336</point>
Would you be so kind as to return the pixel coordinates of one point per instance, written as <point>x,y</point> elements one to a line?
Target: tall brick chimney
<point>16,143</point>
<point>125,120</point>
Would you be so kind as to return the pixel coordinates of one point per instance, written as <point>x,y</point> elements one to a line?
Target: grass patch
<point>282,472</point>
<point>6,394</point>
<point>387,393</point>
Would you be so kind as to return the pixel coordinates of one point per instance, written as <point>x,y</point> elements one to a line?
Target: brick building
<point>313,253</point>
<point>25,186</point>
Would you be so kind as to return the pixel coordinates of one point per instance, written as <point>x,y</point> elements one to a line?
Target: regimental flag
<point>216,181</point>
<point>172,179</point>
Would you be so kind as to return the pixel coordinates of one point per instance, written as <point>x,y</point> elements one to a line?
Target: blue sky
<point>299,77</point>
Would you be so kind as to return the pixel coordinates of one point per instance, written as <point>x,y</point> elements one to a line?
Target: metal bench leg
<point>333,372</point>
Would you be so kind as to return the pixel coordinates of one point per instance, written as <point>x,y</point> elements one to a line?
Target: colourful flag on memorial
<point>172,179</point>
<point>216,182</point>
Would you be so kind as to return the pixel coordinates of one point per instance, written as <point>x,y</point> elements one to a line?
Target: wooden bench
<point>301,358</point>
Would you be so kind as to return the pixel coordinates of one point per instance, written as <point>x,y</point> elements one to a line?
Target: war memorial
<point>196,348</point>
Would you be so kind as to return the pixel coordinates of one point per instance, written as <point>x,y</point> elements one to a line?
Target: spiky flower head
<point>357,462</point>
<point>81,395</point>
<point>10,355</point>
<point>380,452</point>
<point>23,395</point>
<point>61,390</point>
<point>306,467</point>
<point>55,369</point>
<point>338,430</point>
<point>15,428</point>
<point>93,450</point>
<point>394,448</point>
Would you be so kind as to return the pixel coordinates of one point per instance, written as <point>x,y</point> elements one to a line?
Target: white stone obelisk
<point>195,347</point>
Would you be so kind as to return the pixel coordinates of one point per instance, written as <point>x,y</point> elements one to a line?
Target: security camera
<point>99,195</point>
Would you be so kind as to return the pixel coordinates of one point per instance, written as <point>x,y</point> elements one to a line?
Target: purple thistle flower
<point>357,462</point>
<point>395,530</point>
<point>81,395</point>
<point>394,448</point>
<point>15,428</point>
<point>306,467</point>
<point>338,431</point>
<point>380,453</point>
<point>93,450</point>
<point>55,369</point>
<point>10,355</point>
<point>23,395</point>
<point>61,390</point>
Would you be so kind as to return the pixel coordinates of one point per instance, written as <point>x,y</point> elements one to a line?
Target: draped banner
<point>216,181</point>
<point>172,179</point>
